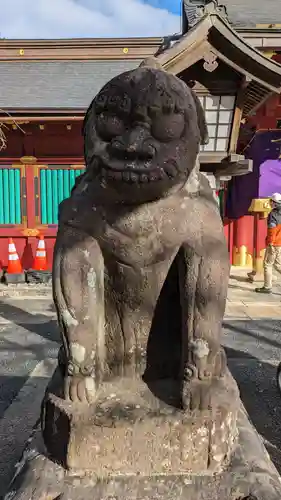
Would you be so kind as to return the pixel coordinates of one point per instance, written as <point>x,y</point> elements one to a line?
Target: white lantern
<point>219,112</point>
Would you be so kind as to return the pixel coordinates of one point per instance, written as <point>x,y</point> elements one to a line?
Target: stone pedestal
<point>138,430</point>
<point>249,472</point>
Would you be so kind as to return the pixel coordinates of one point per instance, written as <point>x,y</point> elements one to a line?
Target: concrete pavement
<point>28,349</point>
<point>252,340</point>
<point>29,342</point>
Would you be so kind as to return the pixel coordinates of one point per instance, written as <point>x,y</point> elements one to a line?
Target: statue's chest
<point>141,238</point>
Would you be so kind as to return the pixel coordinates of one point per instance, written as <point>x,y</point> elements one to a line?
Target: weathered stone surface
<point>136,430</point>
<point>140,232</point>
<point>141,271</point>
<point>249,476</point>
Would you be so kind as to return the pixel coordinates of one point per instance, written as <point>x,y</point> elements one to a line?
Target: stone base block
<point>132,429</point>
<point>38,277</point>
<point>14,279</point>
<point>249,476</point>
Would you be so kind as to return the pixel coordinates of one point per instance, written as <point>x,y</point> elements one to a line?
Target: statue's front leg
<point>204,283</point>
<point>78,287</point>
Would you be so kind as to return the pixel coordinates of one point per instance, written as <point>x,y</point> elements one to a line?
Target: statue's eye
<point>109,126</point>
<point>168,127</point>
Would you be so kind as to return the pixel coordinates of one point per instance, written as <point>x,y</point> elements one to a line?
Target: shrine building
<point>230,54</point>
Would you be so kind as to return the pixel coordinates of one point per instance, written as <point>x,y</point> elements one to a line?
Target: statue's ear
<point>202,124</point>
<point>151,62</point>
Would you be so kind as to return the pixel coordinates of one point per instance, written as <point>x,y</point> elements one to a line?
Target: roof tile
<point>253,12</point>
<point>60,84</point>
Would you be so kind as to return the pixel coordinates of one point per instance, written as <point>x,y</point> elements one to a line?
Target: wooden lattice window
<point>55,186</point>
<point>10,196</point>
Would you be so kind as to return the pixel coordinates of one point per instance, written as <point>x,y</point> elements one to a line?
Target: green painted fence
<point>10,196</point>
<point>55,186</point>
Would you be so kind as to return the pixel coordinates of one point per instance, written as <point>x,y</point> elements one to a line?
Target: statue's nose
<point>133,147</point>
<point>135,139</point>
<point>136,142</point>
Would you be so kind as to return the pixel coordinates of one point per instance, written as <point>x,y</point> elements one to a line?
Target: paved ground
<point>253,343</point>
<point>28,347</point>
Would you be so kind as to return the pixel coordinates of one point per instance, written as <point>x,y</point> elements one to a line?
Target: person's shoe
<point>251,277</point>
<point>263,290</point>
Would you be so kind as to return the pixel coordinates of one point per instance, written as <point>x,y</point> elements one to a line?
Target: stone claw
<point>79,389</point>
<point>197,395</point>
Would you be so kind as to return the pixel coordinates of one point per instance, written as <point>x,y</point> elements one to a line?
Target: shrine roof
<point>248,13</point>
<point>215,41</point>
<point>66,74</point>
<point>56,84</point>
<point>214,33</point>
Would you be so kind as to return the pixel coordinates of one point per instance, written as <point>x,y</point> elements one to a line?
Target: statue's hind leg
<point>203,285</point>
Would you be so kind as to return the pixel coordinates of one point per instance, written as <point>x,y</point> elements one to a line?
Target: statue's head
<point>142,134</point>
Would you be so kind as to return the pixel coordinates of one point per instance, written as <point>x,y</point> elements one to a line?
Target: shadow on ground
<point>252,290</point>
<point>236,280</point>
<point>36,323</point>
<point>241,279</point>
<point>253,348</point>
<point>253,362</point>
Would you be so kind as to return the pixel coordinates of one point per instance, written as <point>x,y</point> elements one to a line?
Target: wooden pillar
<point>228,232</point>
<point>243,241</point>
<point>30,232</point>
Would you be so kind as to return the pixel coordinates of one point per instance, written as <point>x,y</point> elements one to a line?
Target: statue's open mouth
<point>133,171</point>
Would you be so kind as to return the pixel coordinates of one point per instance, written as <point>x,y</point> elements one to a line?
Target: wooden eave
<point>77,42</point>
<point>44,111</point>
<point>41,118</point>
<point>42,115</point>
<point>262,39</point>
<point>78,49</point>
<point>214,35</point>
<point>111,48</point>
<point>266,32</point>
<point>222,164</point>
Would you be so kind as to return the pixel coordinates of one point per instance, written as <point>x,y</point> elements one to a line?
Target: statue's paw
<point>79,389</point>
<point>197,395</point>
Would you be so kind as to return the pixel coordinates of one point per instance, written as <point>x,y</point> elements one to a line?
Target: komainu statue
<point>140,281</point>
<point>141,405</point>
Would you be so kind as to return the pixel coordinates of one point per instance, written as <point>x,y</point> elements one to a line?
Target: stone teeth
<point>134,177</point>
<point>144,178</point>
<point>154,176</point>
<point>118,176</point>
<point>126,176</point>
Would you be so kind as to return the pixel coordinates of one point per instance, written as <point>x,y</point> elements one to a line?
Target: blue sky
<point>88,18</point>
<point>173,6</point>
